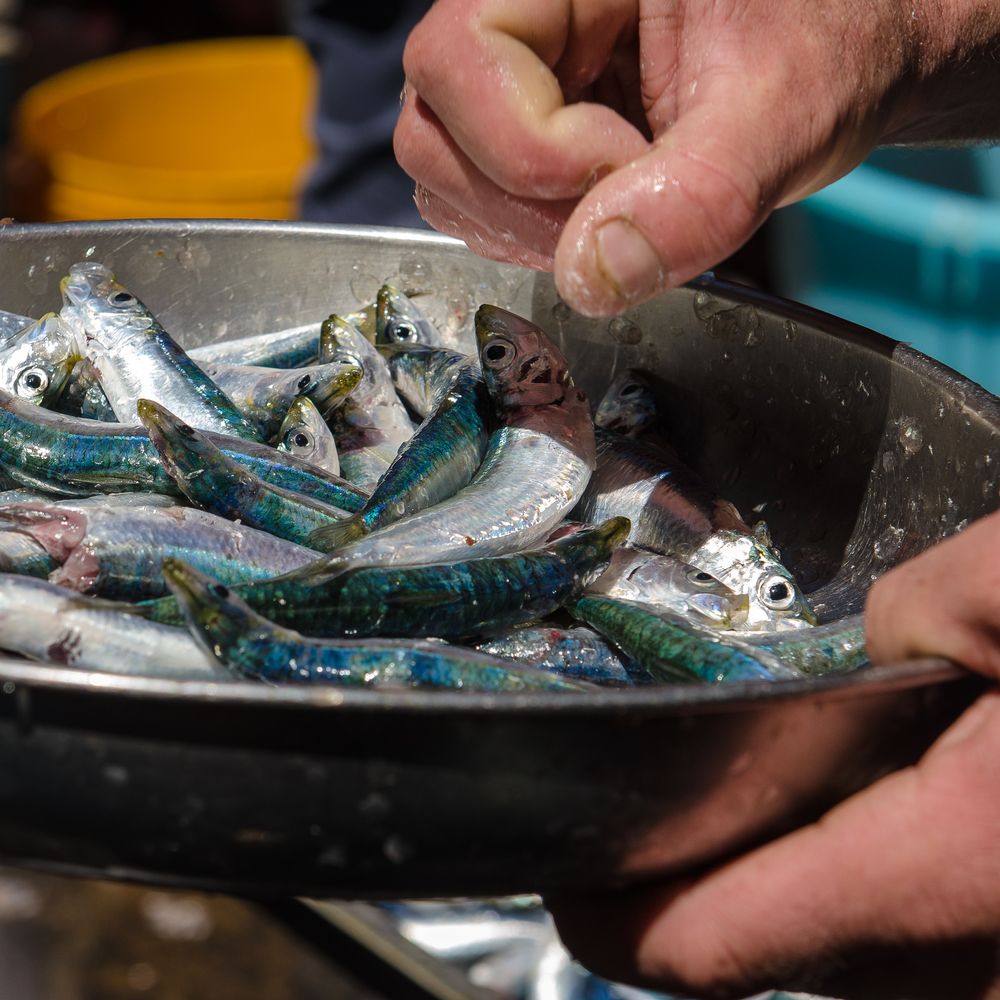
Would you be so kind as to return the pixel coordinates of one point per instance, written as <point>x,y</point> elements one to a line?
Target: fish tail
<point>335,536</point>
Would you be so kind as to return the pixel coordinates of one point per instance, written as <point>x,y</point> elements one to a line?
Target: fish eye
<point>498,353</point>
<point>304,382</point>
<point>219,591</point>
<point>403,332</point>
<point>630,389</point>
<point>121,300</point>
<point>32,381</point>
<point>776,593</point>
<point>302,440</point>
<point>185,430</point>
<point>701,579</point>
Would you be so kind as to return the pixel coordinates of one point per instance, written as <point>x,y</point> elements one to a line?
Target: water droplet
<point>791,331</point>
<point>911,437</point>
<point>727,357</point>
<point>396,850</point>
<point>176,918</point>
<point>414,274</point>
<point>364,286</point>
<point>888,543</point>
<point>561,312</point>
<point>624,331</point>
<point>704,306</point>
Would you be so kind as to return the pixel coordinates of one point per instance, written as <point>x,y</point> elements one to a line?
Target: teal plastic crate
<point>909,245</point>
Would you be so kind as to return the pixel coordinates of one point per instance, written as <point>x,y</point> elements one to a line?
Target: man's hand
<point>631,144</point>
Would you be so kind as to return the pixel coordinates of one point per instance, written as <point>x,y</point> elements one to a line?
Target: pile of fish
<point>361,502</point>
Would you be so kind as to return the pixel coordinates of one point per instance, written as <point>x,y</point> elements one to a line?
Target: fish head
<point>629,405</point>
<point>521,365</point>
<point>185,452</point>
<point>217,617</point>
<point>35,363</point>
<point>752,568</point>
<point>99,306</point>
<point>302,429</point>
<point>398,320</point>
<point>330,384</point>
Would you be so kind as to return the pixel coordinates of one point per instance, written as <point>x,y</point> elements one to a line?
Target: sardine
<point>422,375</point>
<point>575,652</point>
<point>72,456</point>
<point>263,395</point>
<point>836,647</point>
<point>118,551</point>
<point>372,424</point>
<point>665,583</point>
<point>628,406</point>
<point>536,465</point>
<point>21,554</point>
<point>455,600</point>
<point>35,362</point>
<point>670,650</point>
<point>440,459</point>
<point>675,513</point>
<point>251,646</point>
<point>217,483</point>
<point>305,434</point>
<point>136,358</point>
<point>46,622</point>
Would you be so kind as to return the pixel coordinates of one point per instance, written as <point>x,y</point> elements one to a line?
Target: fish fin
<point>336,536</point>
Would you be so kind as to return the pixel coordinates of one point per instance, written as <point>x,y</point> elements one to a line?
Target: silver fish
<point>43,621</point>
<point>399,320</point>
<point>628,406</point>
<point>305,434</point>
<point>669,584</point>
<point>35,362</point>
<point>136,358</point>
<point>372,424</point>
<point>536,467</point>
<point>263,395</point>
<point>118,552</point>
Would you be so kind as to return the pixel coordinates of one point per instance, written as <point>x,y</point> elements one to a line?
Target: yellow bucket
<point>215,129</point>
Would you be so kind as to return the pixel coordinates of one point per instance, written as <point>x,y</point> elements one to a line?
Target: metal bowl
<point>856,450</point>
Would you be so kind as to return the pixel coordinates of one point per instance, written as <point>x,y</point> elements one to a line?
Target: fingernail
<point>627,262</point>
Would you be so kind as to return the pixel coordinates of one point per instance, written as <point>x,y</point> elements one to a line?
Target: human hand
<point>631,144</point>
<point>895,892</point>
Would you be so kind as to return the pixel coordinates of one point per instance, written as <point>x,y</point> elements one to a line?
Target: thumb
<point>708,182</point>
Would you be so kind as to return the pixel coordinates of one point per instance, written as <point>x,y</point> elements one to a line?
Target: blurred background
<point>275,109</point>
<point>285,108</point>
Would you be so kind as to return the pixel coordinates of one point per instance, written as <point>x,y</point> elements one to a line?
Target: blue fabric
<point>358,51</point>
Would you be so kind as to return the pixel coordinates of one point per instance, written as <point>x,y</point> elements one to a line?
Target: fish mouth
<point>329,393</point>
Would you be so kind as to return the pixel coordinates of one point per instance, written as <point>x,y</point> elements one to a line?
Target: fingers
<point>910,866</point>
<point>457,198</point>
<point>688,203</point>
<point>944,602</point>
<point>502,102</point>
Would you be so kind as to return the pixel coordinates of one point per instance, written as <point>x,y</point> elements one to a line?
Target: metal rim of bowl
<point>666,698</point>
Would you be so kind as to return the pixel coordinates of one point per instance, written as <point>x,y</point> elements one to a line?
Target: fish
<point>439,459</point>
<point>251,646</point>
<point>666,583</point>
<point>289,348</point>
<point>35,362</point>
<point>454,600</point>
<point>305,434</point>
<point>674,512</point>
<point>73,456</point>
<point>836,647</point>
<point>399,320</point>
<point>372,425</point>
<point>43,621</point>
<point>422,375</point>
<point>535,469</point>
<point>628,406</point>
<point>263,395</point>
<point>117,552</point>
<point>671,649</point>
<point>135,357</point>
<point>215,482</point>
<point>573,652</point>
